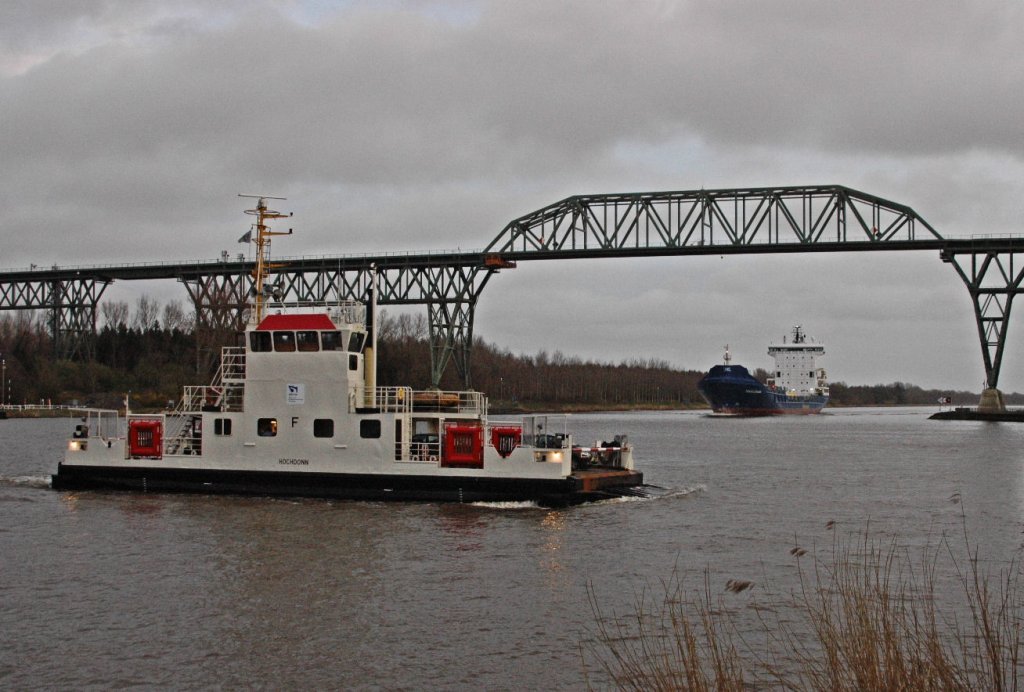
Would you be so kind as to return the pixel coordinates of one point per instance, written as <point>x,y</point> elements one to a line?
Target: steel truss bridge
<point>827,218</point>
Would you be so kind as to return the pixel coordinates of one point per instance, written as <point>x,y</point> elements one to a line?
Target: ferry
<point>797,385</point>
<point>294,410</point>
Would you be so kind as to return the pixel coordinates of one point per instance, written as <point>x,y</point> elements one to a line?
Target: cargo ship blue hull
<point>733,390</point>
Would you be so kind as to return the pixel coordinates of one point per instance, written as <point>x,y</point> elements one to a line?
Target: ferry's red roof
<point>316,320</point>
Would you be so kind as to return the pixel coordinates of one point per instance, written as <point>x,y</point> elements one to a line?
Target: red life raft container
<point>145,439</point>
<point>505,438</point>
<point>463,445</point>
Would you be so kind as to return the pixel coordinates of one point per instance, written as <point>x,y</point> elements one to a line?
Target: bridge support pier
<point>72,306</point>
<point>221,303</point>
<point>451,338</point>
<point>991,401</point>
<point>450,314</point>
<point>993,278</point>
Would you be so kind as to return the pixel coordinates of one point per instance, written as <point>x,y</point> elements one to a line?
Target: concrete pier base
<point>991,401</point>
<point>990,408</point>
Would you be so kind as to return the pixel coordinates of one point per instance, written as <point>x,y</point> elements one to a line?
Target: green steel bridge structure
<point>828,218</point>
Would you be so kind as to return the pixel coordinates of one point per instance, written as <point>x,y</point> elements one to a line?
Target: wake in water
<point>643,493</point>
<point>26,481</point>
<point>648,493</point>
<point>525,504</point>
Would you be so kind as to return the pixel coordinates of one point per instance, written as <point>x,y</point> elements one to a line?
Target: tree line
<point>149,352</point>
<point>555,380</point>
<point>152,351</point>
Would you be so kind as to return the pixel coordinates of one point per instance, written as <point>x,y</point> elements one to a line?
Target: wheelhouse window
<point>308,340</point>
<point>266,427</point>
<point>259,341</point>
<point>323,427</point>
<point>284,341</point>
<point>355,342</point>
<point>330,341</point>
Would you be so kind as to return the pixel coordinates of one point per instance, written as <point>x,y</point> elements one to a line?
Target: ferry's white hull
<point>296,464</point>
<point>462,488</point>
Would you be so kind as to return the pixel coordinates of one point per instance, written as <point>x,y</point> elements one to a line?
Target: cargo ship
<point>797,385</point>
<point>295,410</point>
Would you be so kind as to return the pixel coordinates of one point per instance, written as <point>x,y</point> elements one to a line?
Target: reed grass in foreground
<point>867,617</point>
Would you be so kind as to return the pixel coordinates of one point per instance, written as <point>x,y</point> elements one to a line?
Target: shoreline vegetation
<point>153,352</point>
<point>870,615</point>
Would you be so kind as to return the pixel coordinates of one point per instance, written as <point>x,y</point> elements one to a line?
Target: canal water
<point>108,590</point>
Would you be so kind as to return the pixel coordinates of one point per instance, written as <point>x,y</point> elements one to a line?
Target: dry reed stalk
<point>671,642</point>
<point>865,619</point>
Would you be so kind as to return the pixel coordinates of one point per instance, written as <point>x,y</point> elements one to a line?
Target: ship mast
<point>262,240</point>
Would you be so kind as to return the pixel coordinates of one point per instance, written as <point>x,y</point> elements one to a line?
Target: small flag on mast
<point>247,238</point>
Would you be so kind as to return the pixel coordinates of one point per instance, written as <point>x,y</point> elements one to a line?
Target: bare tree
<point>174,317</point>
<point>146,311</point>
<point>115,313</point>
<point>412,327</point>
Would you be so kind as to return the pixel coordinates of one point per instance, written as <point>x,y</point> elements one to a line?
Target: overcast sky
<point>129,127</point>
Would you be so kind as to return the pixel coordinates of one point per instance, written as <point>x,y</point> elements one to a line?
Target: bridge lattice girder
<point>749,217</point>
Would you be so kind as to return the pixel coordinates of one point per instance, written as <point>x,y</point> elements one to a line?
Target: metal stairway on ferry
<point>225,393</point>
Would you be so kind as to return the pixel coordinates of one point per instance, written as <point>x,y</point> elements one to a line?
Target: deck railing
<point>102,423</point>
<point>472,403</point>
<point>393,399</point>
<point>178,433</point>
<point>406,400</point>
<point>232,364</point>
<point>208,397</point>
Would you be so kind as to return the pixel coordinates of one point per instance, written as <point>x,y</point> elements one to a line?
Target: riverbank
<point>35,411</point>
